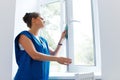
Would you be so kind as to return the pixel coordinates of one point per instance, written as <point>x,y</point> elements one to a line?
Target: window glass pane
<point>52,14</point>
<point>83,33</point>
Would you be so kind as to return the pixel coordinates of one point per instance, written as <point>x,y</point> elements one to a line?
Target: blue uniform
<point>29,69</point>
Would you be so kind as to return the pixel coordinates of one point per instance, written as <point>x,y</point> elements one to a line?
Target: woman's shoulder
<point>25,32</point>
<point>22,32</point>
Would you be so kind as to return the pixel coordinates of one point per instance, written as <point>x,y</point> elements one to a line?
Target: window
<point>83,33</point>
<point>83,39</point>
<point>82,44</point>
<point>51,12</point>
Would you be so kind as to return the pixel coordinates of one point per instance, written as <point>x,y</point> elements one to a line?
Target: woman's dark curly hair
<point>28,17</point>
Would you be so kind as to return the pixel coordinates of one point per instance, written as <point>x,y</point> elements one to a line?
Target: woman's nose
<point>43,21</point>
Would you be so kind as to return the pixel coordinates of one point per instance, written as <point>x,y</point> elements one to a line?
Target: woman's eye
<point>41,18</point>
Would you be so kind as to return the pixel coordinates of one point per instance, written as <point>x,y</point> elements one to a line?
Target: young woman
<point>32,52</point>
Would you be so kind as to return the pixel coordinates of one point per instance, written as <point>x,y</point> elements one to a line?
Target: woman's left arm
<point>59,44</point>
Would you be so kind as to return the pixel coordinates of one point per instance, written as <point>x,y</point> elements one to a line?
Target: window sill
<point>68,76</point>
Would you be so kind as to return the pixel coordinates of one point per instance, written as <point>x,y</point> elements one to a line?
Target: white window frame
<point>70,45</point>
<point>69,42</point>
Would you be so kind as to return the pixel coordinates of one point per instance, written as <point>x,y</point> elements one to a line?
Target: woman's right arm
<point>34,54</point>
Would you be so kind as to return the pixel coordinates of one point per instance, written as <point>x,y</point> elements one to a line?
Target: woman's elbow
<point>38,57</point>
<point>34,56</point>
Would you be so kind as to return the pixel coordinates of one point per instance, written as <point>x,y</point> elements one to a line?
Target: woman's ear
<point>33,20</point>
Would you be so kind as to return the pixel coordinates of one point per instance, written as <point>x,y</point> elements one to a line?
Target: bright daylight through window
<point>83,31</point>
<point>51,12</point>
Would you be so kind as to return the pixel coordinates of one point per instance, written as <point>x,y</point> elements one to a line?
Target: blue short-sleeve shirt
<point>29,69</point>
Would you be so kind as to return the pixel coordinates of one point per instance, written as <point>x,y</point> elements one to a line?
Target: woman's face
<point>39,22</point>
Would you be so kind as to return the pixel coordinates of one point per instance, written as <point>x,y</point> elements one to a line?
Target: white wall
<point>7,13</point>
<point>109,14</point>
<point>22,6</point>
<point>10,10</point>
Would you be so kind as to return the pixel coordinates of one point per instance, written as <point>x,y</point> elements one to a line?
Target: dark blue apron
<point>29,69</point>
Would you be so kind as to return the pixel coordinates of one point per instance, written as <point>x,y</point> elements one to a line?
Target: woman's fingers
<point>68,61</point>
<point>63,34</point>
<point>64,61</point>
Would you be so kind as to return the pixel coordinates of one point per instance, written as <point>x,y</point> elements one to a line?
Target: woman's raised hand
<point>63,34</point>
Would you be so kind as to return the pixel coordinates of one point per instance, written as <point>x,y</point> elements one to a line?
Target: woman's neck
<point>34,31</point>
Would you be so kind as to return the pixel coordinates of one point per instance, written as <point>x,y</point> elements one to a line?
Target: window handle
<point>71,21</point>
